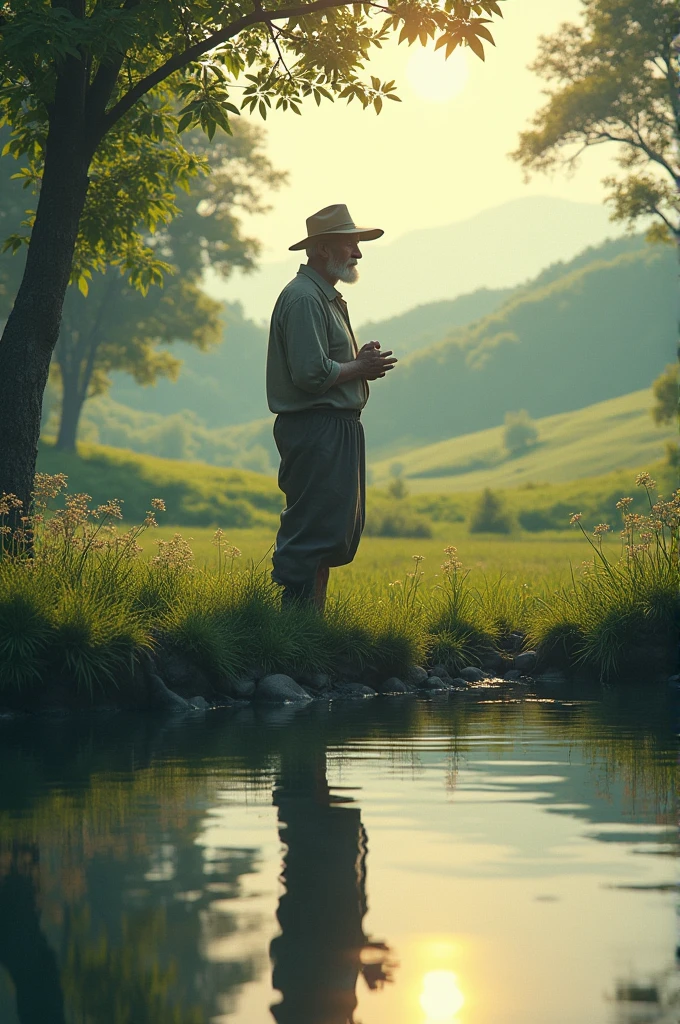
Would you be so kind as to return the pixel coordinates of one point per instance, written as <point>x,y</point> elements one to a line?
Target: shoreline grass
<point>79,604</point>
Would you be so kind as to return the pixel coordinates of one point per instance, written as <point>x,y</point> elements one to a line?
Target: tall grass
<point>79,606</point>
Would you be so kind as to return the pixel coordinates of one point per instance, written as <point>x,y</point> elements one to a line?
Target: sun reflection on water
<point>441,997</point>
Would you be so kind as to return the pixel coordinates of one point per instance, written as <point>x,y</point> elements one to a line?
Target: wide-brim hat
<point>335,220</point>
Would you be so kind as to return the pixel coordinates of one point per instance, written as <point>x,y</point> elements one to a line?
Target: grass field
<point>586,443</point>
<point>536,560</point>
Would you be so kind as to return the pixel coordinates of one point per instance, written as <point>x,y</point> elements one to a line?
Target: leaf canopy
<point>127,78</point>
<point>615,79</point>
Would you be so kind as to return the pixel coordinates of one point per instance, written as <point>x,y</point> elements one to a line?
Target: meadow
<point>525,557</point>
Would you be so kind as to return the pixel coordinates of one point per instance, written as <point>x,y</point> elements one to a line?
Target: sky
<point>438,157</point>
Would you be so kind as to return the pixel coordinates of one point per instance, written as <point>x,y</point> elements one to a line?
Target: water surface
<point>468,860</point>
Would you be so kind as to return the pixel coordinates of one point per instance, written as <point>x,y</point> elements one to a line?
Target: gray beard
<point>346,272</point>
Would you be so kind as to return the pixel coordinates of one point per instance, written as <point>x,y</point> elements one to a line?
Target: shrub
<point>490,515</point>
<point>536,520</point>
<point>520,432</point>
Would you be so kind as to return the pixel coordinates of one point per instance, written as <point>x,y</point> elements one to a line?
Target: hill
<point>593,333</point>
<point>498,248</point>
<point>618,433</point>
<point>423,326</point>
<point>178,435</point>
<point>225,387</point>
<point>194,494</point>
<point>203,496</point>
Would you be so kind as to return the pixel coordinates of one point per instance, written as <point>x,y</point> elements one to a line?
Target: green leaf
<point>476,46</point>
<point>185,121</point>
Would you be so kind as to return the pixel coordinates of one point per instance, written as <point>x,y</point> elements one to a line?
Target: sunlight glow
<point>441,998</point>
<point>433,78</point>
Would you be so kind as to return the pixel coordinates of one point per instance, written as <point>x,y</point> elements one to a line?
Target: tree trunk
<point>32,329</point>
<point>72,402</point>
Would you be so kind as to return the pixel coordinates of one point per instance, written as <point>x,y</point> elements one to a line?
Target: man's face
<point>344,254</point>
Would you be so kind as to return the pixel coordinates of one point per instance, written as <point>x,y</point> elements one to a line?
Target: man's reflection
<point>322,948</point>
<point>24,950</point>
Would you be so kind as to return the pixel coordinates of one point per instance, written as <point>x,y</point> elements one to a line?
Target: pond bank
<point>170,683</point>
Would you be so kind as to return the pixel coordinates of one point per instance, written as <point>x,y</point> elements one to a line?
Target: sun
<point>441,998</point>
<point>434,78</point>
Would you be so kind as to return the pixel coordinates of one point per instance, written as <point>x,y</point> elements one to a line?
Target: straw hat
<point>335,220</point>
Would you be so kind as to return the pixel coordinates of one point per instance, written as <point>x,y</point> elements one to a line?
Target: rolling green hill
<point>194,494</point>
<point>200,496</point>
<point>427,324</point>
<point>225,387</point>
<point>618,433</point>
<point>593,333</point>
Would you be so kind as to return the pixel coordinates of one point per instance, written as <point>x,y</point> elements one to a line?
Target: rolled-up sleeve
<point>305,342</point>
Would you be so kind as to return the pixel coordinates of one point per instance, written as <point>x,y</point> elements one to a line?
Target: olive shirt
<point>309,337</point>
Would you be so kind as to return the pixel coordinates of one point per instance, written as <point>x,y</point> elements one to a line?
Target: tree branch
<point>191,53</point>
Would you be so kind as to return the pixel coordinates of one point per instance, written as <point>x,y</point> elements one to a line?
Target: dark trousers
<point>323,476</point>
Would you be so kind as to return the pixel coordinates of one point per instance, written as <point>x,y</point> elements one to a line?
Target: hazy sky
<point>437,157</point>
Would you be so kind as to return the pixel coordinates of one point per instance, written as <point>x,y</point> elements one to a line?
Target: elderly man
<point>317,385</point>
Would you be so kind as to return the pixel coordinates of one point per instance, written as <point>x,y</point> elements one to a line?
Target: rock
<point>394,685</point>
<point>416,676</point>
<point>224,701</point>
<point>353,690</point>
<point>180,674</point>
<point>163,698</point>
<point>459,683</point>
<point>316,682</point>
<point>525,663</point>
<point>279,688</point>
<point>440,671</point>
<point>512,675</point>
<point>515,641</point>
<point>472,675</point>
<point>200,703</point>
<point>241,688</point>
<point>494,663</point>
<point>435,683</point>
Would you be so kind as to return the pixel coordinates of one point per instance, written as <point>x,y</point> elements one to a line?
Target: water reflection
<point>322,948</point>
<point>441,998</point>
<point>25,952</point>
<point>119,905</point>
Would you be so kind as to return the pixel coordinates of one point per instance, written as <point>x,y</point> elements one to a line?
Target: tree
<point>116,327</point>
<point>88,88</point>
<point>520,432</point>
<point>615,79</point>
<point>489,515</point>
<point>665,390</point>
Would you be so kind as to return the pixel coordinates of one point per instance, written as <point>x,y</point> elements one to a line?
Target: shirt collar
<point>329,291</point>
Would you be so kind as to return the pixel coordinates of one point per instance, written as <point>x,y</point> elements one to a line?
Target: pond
<point>470,859</point>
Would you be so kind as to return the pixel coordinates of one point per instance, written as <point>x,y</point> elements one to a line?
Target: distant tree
<point>520,432</point>
<point>89,89</point>
<point>665,390</point>
<point>490,515</point>
<point>397,489</point>
<point>116,327</point>
<point>615,78</point>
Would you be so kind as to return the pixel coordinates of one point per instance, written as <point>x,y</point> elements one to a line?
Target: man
<point>317,385</point>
